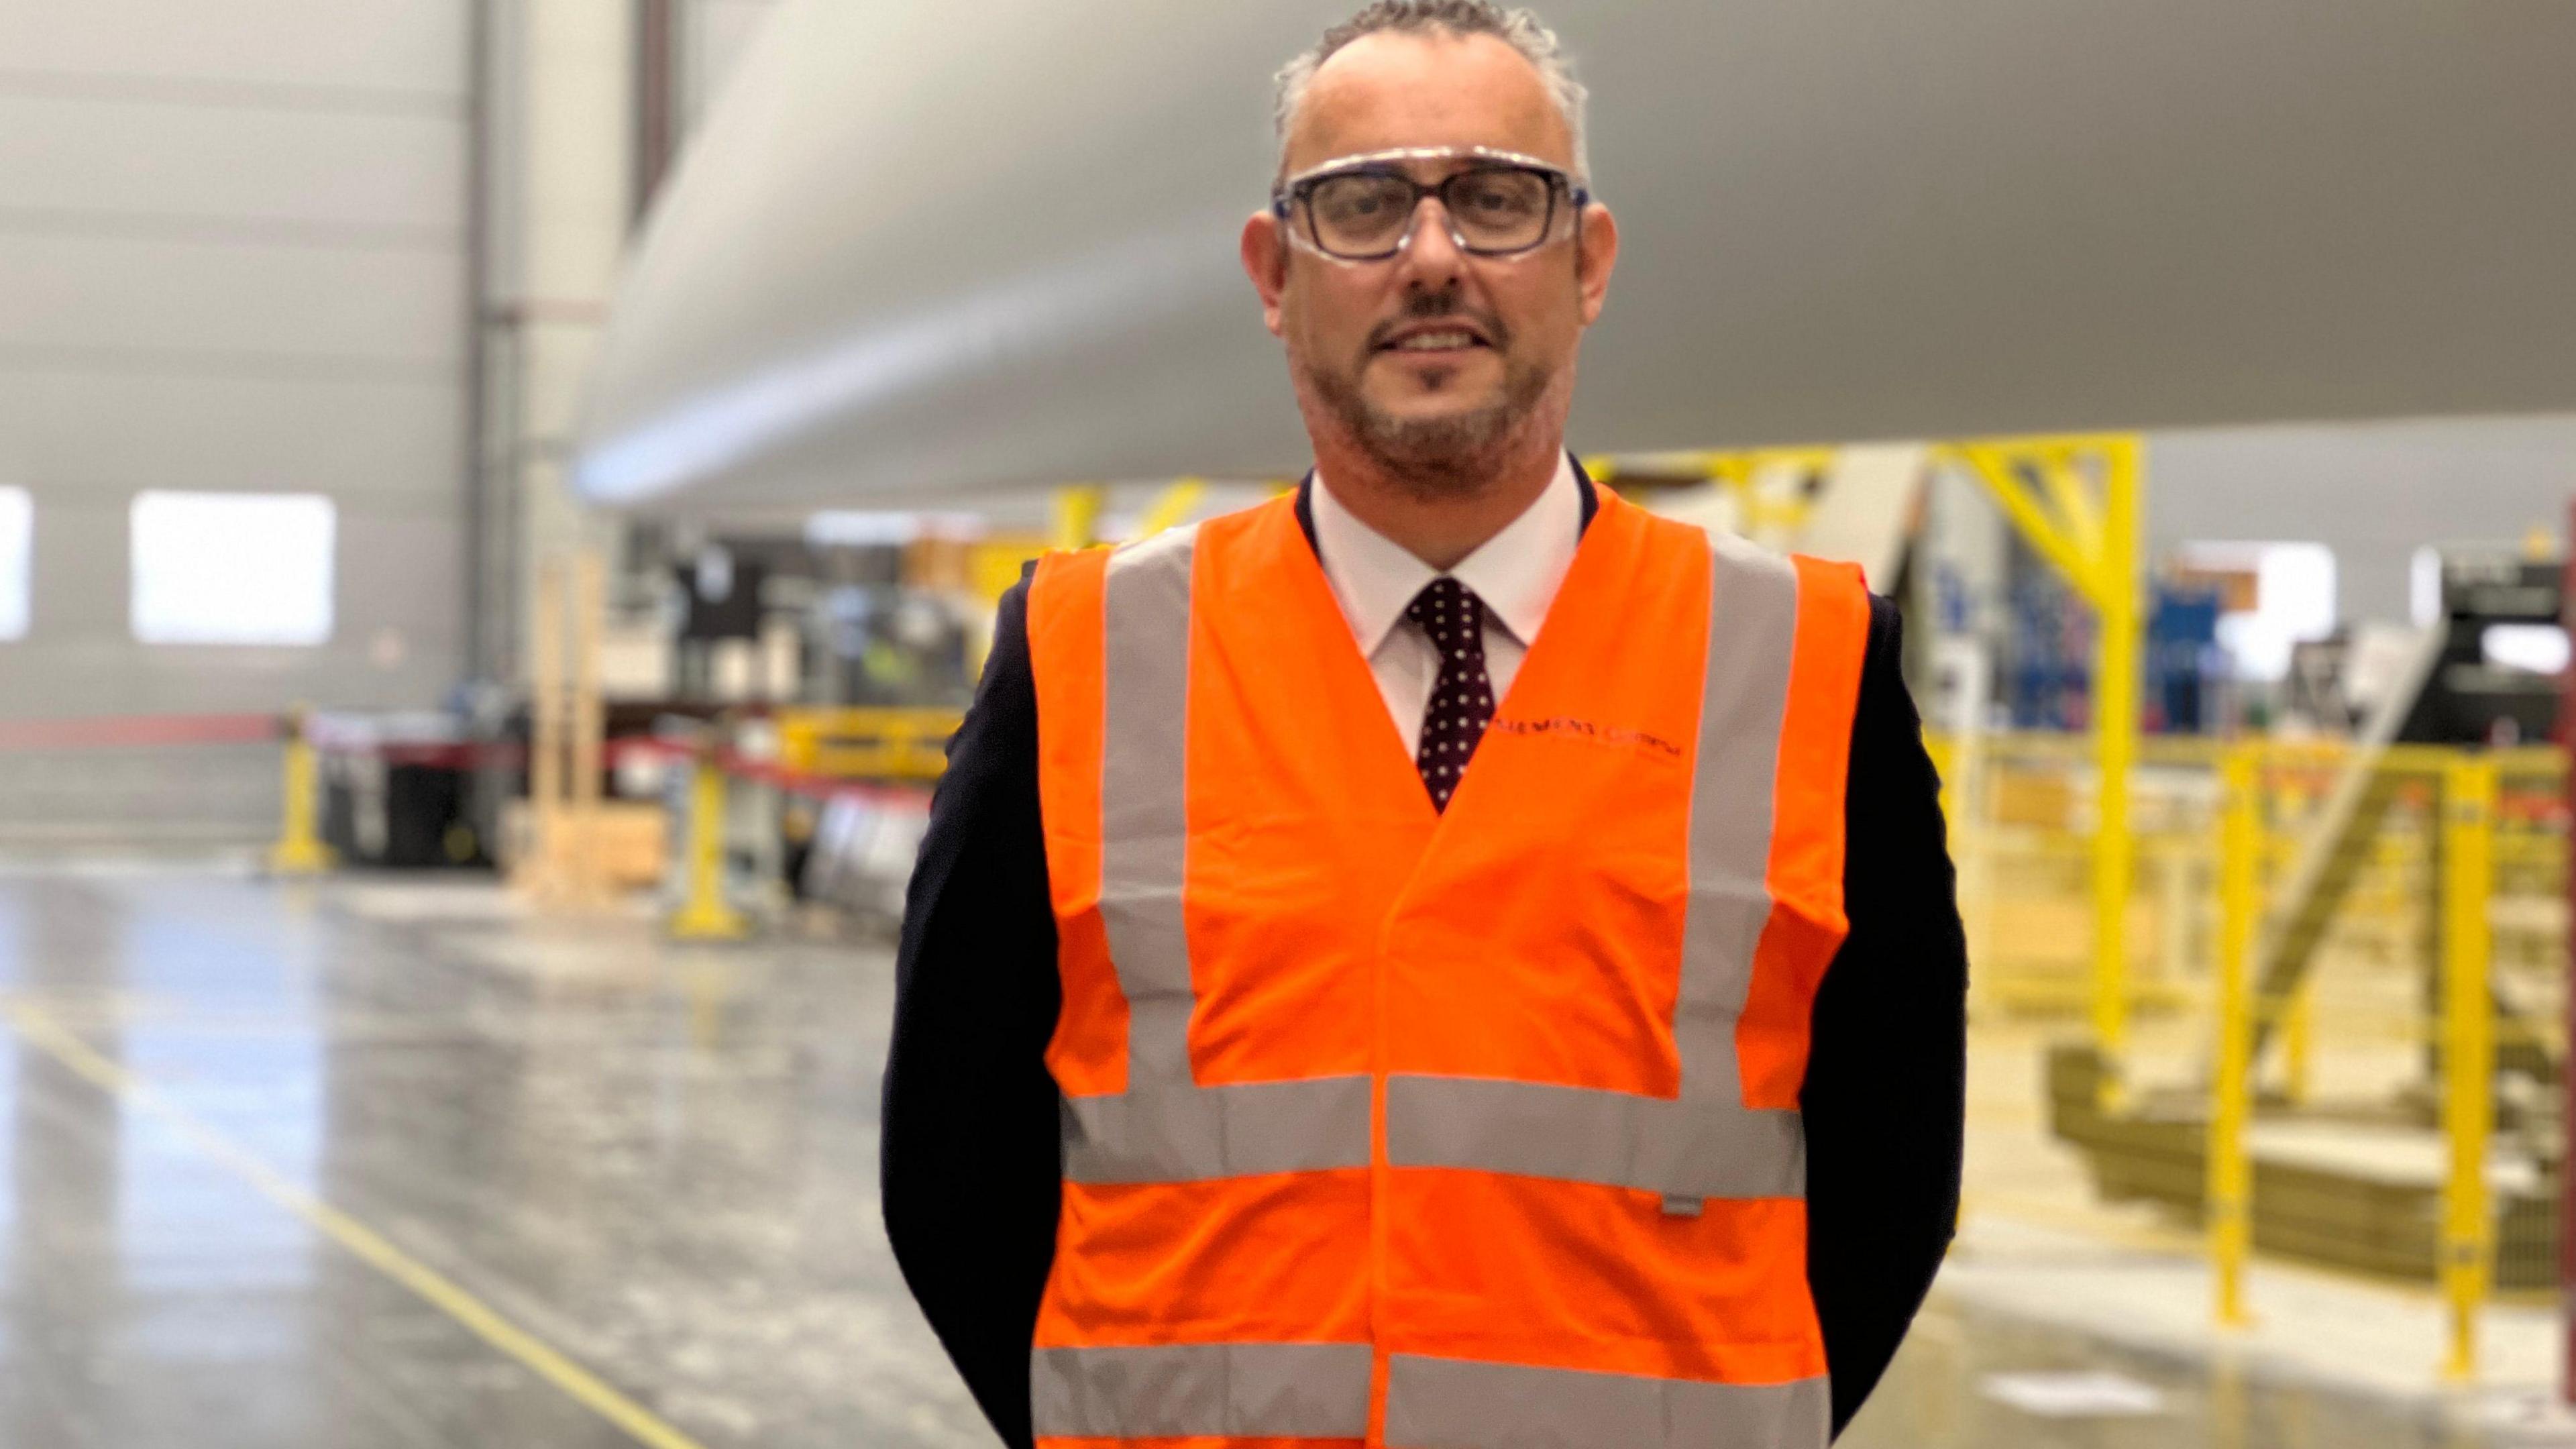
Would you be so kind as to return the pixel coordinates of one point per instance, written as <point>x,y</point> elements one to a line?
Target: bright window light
<point>17,536</point>
<point>2424,587</point>
<point>2293,600</point>
<point>862,528</point>
<point>232,568</point>
<point>2538,648</point>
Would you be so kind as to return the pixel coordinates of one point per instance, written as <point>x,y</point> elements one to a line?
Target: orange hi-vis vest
<point>1393,1127</point>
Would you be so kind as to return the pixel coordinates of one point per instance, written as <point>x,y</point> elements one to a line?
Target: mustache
<point>1426,306</point>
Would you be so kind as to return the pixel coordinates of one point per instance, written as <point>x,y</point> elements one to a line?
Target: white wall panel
<point>121,430</point>
<point>88,295</point>
<point>80,658</point>
<point>358,178</point>
<point>390,559</point>
<point>231,259</point>
<point>400,48</point>
<point>78,599</point>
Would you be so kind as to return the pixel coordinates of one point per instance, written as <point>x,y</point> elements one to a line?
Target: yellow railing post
<point>2298,1027</point>
<point>2040,485</point>
<point>299,849</point>
<point>705,914</point>
<point>1171,506</point>
<point>2468,1047</point>
<point>2231,1170</point>
<point>2294,1014</point>
<point>2115,704</point>
<point>1077,514</point>
<point>1944,752</point>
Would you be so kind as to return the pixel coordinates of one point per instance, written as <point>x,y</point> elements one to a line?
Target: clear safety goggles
<point>1366,208</point>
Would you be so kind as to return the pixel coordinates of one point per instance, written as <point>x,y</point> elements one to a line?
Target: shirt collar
<point>1516,572</point>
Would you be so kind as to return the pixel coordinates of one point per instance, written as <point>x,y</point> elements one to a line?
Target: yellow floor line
<point>41,1031</point>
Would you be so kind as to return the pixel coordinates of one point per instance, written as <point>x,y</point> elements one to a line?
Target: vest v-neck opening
<point>1347,662</point>
<point>1600,517</point>
<point>1574,593</point>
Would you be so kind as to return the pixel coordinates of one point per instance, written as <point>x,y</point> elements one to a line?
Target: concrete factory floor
<point>283,1163</point>
<point>383,1162</point>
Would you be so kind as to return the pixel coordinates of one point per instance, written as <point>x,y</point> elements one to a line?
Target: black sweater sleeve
<point>970,1168</point>
<point>969,1165</point>
<point>1885,1095</point>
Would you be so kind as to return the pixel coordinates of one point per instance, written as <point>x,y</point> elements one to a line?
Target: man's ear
<point>1265,261</point>
<point>1596,251</point>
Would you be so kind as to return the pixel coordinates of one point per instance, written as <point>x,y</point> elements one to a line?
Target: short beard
<point>1436,459</point>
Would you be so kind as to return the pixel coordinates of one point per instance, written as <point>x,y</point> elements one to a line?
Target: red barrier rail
<point>819,787</point>
<point>141,731</point>
<point>150,731</point>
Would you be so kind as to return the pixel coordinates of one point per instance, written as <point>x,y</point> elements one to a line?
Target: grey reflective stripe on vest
<point>1192,1134</point>
<point>1680,1149</point>
<point>1165,1127</point>
<point>1706,1143</point>
<point>1441,1403</point>
<point>1214,1390</point>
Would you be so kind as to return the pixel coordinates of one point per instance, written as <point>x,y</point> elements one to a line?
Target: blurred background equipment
<point>503,504</point>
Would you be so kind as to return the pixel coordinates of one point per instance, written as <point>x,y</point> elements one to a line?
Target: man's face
<point>1433,358</point>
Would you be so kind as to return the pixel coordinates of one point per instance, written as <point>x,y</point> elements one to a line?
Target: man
<point>1447,958</point>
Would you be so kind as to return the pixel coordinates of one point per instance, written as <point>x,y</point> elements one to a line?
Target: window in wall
<point>17,537</point>
<point>2276,595</point>
<point>2531,648</point>
<point>2424,587</point>
<point>874,528</point>
<point>232,568</point>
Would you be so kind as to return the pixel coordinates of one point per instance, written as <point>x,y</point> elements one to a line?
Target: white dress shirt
<point>1516,573</point>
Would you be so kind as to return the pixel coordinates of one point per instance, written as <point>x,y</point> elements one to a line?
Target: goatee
<point>1439,457</point>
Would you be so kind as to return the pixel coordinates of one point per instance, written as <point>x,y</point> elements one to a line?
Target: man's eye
<point>1501,198</point>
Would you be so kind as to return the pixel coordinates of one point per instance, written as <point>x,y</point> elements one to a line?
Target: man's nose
<point>1432,259</point>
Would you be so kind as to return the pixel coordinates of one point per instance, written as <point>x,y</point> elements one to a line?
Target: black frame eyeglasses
<point>1377,180</point>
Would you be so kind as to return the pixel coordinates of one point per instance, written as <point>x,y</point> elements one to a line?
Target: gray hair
<point>1519,29</point>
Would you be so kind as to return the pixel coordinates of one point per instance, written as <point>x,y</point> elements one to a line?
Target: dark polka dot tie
<point>1453,618</point>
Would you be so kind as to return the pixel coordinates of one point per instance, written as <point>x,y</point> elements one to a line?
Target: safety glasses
<point>1366,208</point>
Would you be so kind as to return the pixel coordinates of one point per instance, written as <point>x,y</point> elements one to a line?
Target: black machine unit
<point>2473,696</point>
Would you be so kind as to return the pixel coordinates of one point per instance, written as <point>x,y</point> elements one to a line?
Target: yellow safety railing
<point>2474,852</point>
<point>1772,487</point>
<point>859,743</point>
<point>2298,1034</point>
<point>2231,1167</point>
<point>1079,506</point>
<point>2084,519</point>
<point>1077,514</point>
<point>2468,1051</point>
<point>1174,504</point>
<point>866,743</point>
<point>2018,808</point>
<point>1944,754</point>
